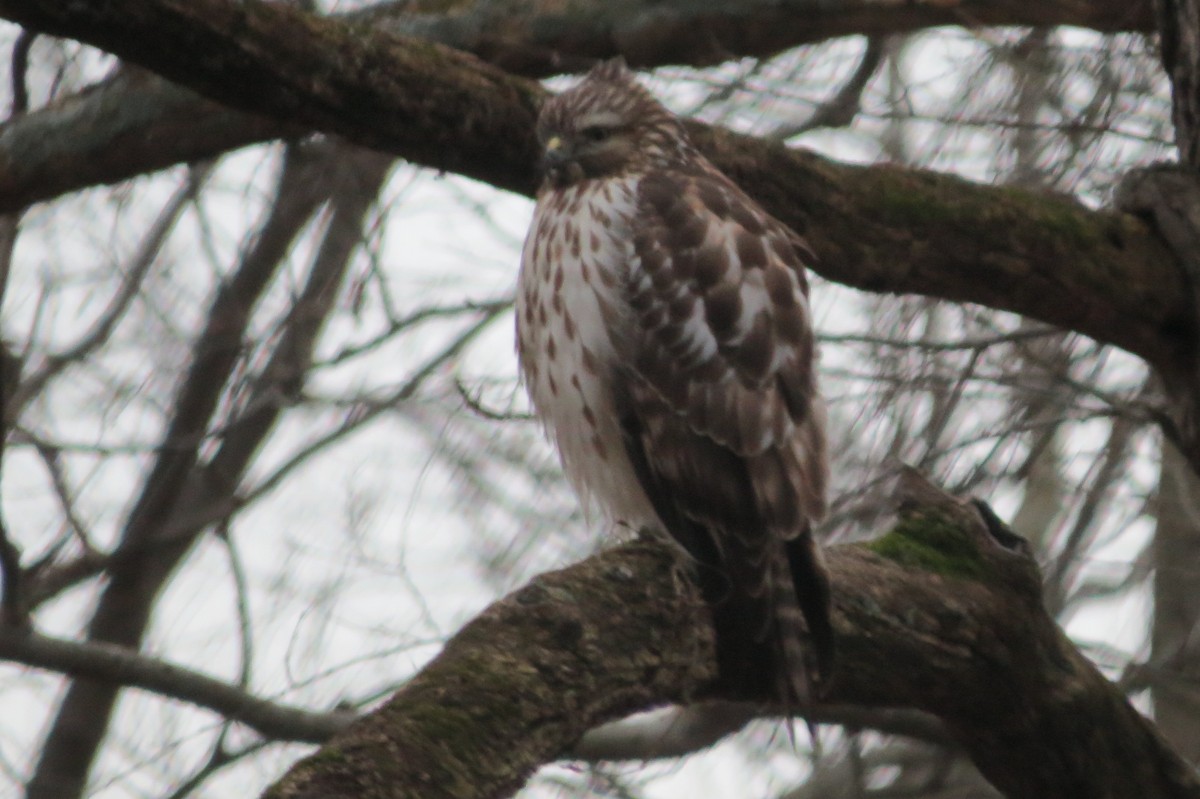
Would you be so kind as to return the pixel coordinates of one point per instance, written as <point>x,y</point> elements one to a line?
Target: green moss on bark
<point>931,541</point>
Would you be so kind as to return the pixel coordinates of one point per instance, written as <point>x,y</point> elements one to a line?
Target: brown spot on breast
<point>711,264</point>
<point>551,383</point>
<point>750,250</point>
<point>663,278</point>
<point>722,307</point>
<point>672,337</point>
<point>655,317</point>
<point>556,302</point>
<point>681,307</point>
<point>594,241</point>
<point>683,265</point>
<point>589,361</point>
<point>794,386</point>
<point>589,416</point>
<point>640,301</point>
<point>607,278</point>
<point>783,247</point>
<point>575,382</point>
<point>713,197</point>
<point>689,233</point>
<point>601,450</point>
<point>651,257</point>
<point>745,215</point>
<point>755,352</point>
<point>607,311</point>
<point>573,238</point>
<point>677,213</point>
<point>790,323</point>
<point>541,313</point>
<point>779,287</point>
<point>558,277</point>
<point>709,371</point>
<point>658,191</point>
<point>569,324</point>
<point>551,347</point>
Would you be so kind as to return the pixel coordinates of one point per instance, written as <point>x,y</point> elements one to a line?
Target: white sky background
<point>363,561</point>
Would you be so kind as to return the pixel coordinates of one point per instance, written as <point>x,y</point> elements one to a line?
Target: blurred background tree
<point>262,417</point>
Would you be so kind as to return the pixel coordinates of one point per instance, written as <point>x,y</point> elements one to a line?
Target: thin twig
<point>122,666</point>
<point>20,68</point>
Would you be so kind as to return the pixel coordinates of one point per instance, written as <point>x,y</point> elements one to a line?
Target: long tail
<point>801,600</point>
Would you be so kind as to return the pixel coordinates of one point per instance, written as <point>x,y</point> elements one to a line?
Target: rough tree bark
<point>541,37</point>
<point>882,229</point>
<point>171,125</point>
<point>1169,195</point>
<point>944,613</point>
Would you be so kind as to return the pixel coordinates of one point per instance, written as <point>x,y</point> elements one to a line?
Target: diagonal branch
<point>943,614</point>
<point>119,665</point>
<point>882,229</point>
<point>147,553</point>
<point>171,125</point>
<point>543,37</point>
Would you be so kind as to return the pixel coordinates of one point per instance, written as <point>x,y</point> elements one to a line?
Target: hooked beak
<point>555,156</point>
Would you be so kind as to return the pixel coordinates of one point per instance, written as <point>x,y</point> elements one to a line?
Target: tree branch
<point>122,666</point>
<point>47,156</point>
<point>149,550</point>
<point>943,614</point>
<point>544,37</point>
<point>883,229</point>
<point>683,729</point>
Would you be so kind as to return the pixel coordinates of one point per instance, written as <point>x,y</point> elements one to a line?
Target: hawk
<point>665,339</point>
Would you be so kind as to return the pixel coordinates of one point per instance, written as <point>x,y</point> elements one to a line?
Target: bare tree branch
<point>135,274</point>
<point>678,731</point>
<point>120,666</point>
<point>542,37</point>
<point>882,229</point>
<point>147,555</point>
<point>841,109</point>
<point>172,125</point>
<point>943,614</point>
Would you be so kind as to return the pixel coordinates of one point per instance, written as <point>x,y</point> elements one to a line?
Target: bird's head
<point>606,125</point>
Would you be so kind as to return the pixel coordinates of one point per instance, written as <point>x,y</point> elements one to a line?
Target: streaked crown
<point>606,125</point>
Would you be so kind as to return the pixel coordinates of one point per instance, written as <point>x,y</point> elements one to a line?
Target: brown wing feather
<point>724,423</point>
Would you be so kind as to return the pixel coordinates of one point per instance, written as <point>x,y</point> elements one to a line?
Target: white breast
<point>569,305</point>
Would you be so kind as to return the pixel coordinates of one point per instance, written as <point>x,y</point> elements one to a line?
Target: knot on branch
<point>939,533</point>
<point>1168,196</point>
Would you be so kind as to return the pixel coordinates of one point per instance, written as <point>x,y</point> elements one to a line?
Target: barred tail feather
<point>810,583</point>
<point>794,681</point>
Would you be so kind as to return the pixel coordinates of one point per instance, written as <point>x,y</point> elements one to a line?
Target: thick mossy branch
<point>942,614</point>
<point>620,632</point>
<point>543,37</point>
<point>882,229</point>
<point>931,542</point>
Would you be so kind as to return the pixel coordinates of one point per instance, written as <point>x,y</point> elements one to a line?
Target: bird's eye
<point>596,133</point>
